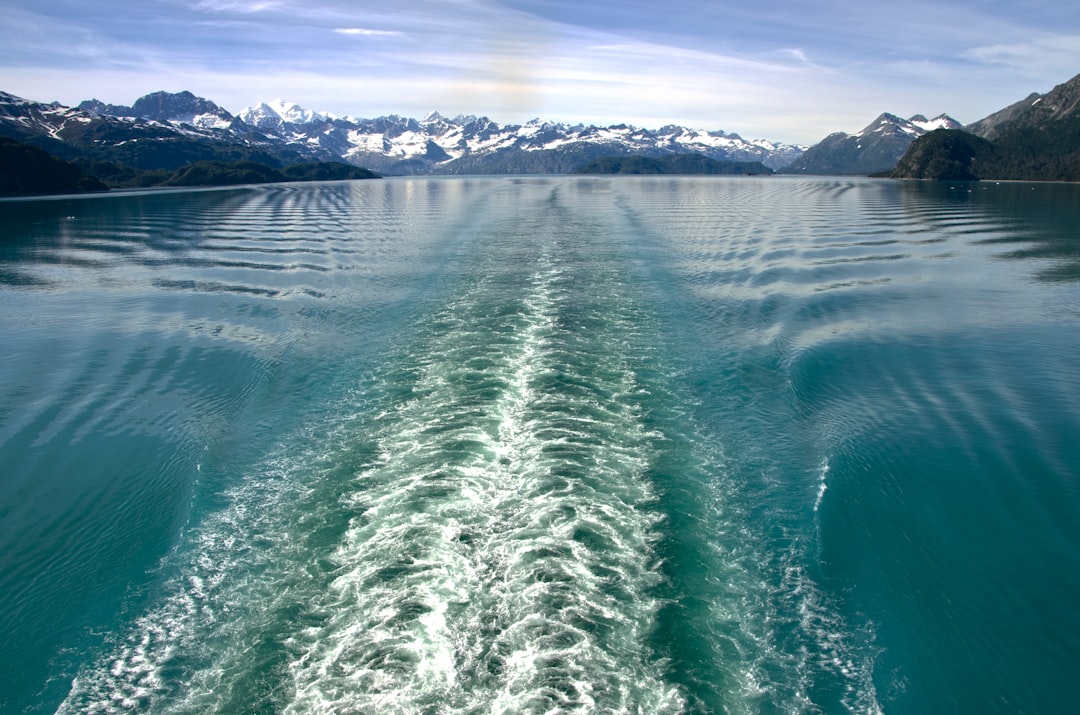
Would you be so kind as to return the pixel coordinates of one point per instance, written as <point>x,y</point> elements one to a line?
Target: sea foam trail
<point>502,558</point>
<point>480,540</point>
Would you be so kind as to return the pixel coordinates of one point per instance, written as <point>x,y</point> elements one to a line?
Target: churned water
<point>542,445</point>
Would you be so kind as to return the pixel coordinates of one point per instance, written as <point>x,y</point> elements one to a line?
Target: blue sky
<point>786,71</point>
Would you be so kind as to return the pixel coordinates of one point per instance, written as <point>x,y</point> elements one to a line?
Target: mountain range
<point>1035,139</point>
<point>478,145</point>
<point>165,131</point>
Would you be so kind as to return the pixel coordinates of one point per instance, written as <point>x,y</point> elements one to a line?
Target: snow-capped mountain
<point>184,131</point>
<point>274,115</point>
<point>179,109</point>
<point>470,144</point>
<point>878,147</point>
<point>942,121</point>
<point>55,126</point>
<point>186,128</point>
<point>891,125</point>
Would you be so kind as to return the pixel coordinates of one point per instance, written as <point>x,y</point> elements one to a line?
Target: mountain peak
<point>886,123</point>
<point>293,113</point>
<point>878,147</point>
<point>183,106</point>
<point>917,125</point>
<point>1062,102</point>
<point>271,115</point>
<point>941,121</point>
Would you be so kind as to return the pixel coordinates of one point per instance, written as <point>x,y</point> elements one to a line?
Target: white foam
<point>524,614</point>
<point>823,484</point>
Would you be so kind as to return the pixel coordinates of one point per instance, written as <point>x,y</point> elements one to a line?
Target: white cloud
<point>236,6</point>
<point>366,32</point>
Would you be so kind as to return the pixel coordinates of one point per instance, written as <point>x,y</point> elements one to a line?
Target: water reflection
<point>1042,218</point>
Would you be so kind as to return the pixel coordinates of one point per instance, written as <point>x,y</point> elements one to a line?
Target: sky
<point>791,71</point>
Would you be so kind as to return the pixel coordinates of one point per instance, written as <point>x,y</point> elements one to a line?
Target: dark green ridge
<point>670,164</point>
<point>27,170</point>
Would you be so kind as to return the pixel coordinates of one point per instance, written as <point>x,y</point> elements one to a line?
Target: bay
<point>541,444</point>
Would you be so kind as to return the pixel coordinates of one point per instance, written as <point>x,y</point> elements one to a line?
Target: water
<point>540,445</point>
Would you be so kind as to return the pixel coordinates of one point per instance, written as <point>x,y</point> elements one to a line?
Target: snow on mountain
<point>209,121</point>
<point>942,121</point>
<point>23,119</point>
<point>182,110</point>
<point>262,116</point>
<point>438,144</point>
<point>271,115</point>
<point>916,126</point>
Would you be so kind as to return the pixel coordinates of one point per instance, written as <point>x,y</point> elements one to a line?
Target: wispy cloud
<point>1047,50</point>
<point>365,32</point>
<point>237,6</point>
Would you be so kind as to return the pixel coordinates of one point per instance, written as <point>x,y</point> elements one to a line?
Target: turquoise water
<point>539,445</point>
